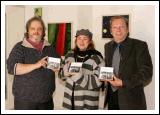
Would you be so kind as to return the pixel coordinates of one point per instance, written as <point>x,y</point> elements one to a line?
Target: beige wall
<point>14,33</point>
<point>141,27</point>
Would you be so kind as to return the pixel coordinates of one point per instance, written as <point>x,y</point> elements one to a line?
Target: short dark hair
<point>29,23</point>
<point>118,17</point>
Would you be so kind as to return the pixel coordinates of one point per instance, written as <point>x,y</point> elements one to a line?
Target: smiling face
<point>35,31</point>
<point>82,42</point>
<point>119,29</point>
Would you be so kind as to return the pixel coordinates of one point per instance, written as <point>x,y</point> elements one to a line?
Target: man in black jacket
<point>132,65</point>
<point>33,84</point>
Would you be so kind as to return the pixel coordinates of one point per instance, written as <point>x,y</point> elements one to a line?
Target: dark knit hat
<point>85,32</point>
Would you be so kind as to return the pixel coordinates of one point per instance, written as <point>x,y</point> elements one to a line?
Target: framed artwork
<point>38,12</point>
<point>59,35</point>
<point>106,25</point>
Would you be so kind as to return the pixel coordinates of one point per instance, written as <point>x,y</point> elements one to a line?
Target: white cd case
<point>75,67</point>
<point>53,63</point>
<point>106,73</point>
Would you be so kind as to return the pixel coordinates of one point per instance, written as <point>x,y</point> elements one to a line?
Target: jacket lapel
<point>110,54</point>
<point>125,51</point>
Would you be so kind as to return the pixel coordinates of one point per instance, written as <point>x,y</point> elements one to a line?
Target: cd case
<point>53,63</point>
<point>106,73</point>
<point>75,67</point>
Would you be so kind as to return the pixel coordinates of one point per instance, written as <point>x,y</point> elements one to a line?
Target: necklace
<point>80,58</point>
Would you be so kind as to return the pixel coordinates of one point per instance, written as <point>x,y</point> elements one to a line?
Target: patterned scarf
<point>38,46</point>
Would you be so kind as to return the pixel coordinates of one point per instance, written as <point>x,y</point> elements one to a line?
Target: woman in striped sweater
<point>82,89</point>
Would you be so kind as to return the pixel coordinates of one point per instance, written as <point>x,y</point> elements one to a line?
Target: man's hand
<point>42,63</point>
<point>116,82</point>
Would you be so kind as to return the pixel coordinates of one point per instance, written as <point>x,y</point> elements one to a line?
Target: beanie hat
<point>85,32</point>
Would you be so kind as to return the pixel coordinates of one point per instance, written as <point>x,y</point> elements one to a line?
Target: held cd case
<point>75,67</point>
<point>53,63</point>
<point>106,73</point>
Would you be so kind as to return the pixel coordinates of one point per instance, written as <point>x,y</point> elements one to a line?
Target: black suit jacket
<point>135,70</point>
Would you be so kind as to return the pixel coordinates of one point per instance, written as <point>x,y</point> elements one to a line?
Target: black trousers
<point>24,105</point>
<point>112,99</point>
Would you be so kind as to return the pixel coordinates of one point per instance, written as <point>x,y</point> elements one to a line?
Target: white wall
<point>84,16</point>
<point>141,27</point>
<point>14,34</point>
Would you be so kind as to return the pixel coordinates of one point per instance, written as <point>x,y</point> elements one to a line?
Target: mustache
<point>36,36</point>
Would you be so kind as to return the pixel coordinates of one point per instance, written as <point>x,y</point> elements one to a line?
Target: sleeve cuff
<point>15,67</point>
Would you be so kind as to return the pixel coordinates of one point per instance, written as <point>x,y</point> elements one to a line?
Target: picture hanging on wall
<point>38,12</point>
<point>59,35</point>
<point>106,25</point>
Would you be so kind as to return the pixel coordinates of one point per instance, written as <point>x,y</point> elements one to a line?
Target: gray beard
<point>36,38</point>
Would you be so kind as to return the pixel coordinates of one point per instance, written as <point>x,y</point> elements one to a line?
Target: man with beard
<point>33,84</point>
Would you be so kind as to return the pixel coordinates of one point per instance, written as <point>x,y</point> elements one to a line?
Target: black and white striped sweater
<point>86,83</point>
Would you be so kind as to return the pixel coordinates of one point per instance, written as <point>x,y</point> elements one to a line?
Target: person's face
<point>35,31</point>
<point>119,30</point>
<point>82,42</point>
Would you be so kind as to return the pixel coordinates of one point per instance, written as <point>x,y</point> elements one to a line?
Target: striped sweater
<point>86,84</point>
